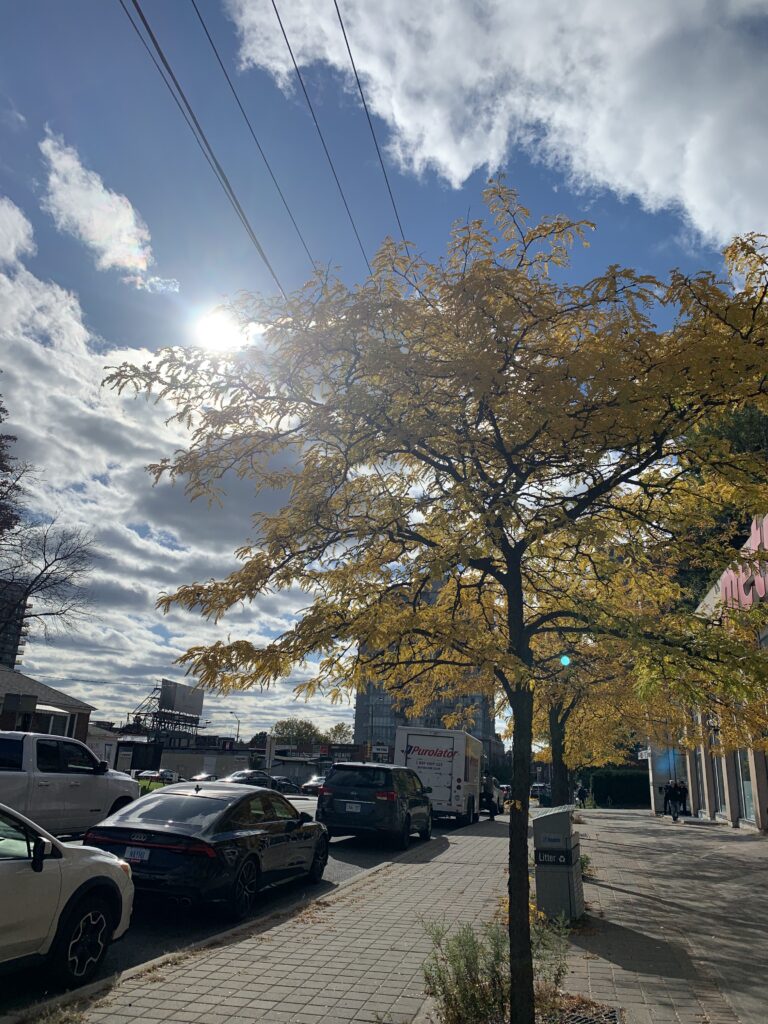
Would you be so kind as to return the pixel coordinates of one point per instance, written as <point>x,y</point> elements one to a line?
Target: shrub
<point>467,972</point>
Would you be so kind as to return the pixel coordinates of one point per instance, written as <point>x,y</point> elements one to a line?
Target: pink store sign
<point>742,587</point>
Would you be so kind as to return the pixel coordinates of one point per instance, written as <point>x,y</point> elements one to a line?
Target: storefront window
<point>746,798</point>
<point>717,774</point>
<point>697,801</point>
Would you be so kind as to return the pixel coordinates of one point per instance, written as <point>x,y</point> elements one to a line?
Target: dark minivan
<point>359,798</point>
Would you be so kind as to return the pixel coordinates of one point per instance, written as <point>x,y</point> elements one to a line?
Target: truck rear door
<point>433,758</point>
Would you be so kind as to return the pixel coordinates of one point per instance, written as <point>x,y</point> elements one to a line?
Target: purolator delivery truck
<point>448,760</point>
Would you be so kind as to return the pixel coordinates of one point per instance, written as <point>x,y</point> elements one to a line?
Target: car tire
<point>119,804</point>
<point>244,890</point>
<point>403,837</point>
<point>83,938</point>
<point>319,862</point>
<point>426,832</point>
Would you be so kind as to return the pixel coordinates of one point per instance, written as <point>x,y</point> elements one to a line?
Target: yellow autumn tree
<point>479,457</point>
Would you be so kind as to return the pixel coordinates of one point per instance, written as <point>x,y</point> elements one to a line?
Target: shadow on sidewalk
<point>631,949</point>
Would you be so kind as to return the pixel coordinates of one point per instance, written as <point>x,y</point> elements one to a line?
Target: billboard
<point>185,700</point>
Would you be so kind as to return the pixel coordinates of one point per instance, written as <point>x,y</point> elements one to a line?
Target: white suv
<point>61,903</point>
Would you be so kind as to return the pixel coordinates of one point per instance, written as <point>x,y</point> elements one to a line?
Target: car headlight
<point>124,866</point>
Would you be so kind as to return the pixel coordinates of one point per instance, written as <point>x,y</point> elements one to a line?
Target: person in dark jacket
<point>667,792</point>
<point>682,786</point>
<point>674,800</point>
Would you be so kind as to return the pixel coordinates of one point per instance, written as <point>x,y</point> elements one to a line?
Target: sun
<point>219,332</point>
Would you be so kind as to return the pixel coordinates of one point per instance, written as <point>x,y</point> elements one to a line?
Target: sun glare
<point>219,332</point>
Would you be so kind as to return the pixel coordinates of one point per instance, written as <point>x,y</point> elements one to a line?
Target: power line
<point>252,130</point>
<point>370,122</point>
<point>322,139</point>
<point>201,137</point>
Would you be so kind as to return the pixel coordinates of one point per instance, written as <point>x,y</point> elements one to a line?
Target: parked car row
<point>202,843</point>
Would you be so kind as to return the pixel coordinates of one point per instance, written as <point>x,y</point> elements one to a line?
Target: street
<point>158,930</point>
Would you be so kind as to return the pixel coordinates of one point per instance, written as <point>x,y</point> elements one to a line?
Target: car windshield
<point>190,809</point>
<point>360,777</point>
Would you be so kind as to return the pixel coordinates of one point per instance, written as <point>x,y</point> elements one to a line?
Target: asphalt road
<point>159,929</point>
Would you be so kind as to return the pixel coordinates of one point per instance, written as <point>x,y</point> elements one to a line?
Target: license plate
<point>135,854</point>
<point>353,807</point>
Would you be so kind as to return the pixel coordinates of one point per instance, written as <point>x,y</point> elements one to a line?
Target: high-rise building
<point>13,627</point>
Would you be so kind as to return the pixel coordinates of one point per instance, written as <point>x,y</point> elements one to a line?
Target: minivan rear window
<point>10,755</point>
<point>358,777</point>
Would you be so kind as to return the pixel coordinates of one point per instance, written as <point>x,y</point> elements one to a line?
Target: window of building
<point>717,775</point>
<point>746,797</point>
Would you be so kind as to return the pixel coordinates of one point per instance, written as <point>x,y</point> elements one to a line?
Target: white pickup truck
<point>59,783</point>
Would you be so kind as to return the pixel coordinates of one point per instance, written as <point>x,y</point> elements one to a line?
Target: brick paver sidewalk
<point>355,956</point>
<point>677,920</point>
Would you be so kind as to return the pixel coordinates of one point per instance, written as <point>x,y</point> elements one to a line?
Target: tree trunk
<point>561,793</point>
<point>522,1008</point>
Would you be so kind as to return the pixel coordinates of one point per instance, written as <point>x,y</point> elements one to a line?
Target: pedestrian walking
<point>682,786</point>
<point>489,797</point>
<point>667,793</point>
<point>674,801</point>
<point>581,796</point>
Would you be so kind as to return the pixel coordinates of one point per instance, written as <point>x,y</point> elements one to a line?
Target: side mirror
<point>41,849</point>
<point>101,768</point>
<point>304,818</point>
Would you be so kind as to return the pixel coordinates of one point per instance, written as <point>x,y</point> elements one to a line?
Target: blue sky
<point>115,238</point>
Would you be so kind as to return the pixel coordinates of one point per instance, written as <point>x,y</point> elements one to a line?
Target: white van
<point>450,762</point>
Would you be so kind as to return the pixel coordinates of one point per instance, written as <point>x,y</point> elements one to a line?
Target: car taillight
<point>324,791</point>
<point>386,794</point>
<point>198,848</point>
<point>90,837</point>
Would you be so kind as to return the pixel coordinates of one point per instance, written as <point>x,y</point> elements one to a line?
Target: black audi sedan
<point>213,843</point>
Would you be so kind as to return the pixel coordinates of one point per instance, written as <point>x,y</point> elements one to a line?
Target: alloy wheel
<point>87,943</point>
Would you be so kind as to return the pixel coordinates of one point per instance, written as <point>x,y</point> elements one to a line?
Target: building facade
<point>731,787</point>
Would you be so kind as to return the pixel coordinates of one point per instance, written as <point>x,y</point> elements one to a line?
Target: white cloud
<point>16,237</point>
<point>103,220</point>
<point>90,448</point>
<point>156,285</point>
<point>662,101</point>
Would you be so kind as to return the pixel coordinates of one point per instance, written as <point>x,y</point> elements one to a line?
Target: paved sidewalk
<point>677,920</point>
<point>352,957</point>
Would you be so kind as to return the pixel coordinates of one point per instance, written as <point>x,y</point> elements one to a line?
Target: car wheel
<point>403,837</point>
<point>426,832</point>
<point>319,861</point>
<point>82,941</point>
<point>244,890</point>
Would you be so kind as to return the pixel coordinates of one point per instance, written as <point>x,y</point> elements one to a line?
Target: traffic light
<point>565,660</point>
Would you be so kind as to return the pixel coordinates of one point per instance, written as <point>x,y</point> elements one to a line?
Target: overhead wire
<point>251,130</point>
<point>370,123</point>
<point>322,138</point>
<point>200,136</point>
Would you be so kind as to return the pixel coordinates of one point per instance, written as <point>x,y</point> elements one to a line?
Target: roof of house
<point>16,682</point>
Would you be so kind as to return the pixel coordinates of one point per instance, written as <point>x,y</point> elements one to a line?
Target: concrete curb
<point>88,993</point>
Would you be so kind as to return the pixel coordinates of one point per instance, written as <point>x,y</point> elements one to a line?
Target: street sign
<point>643,755</point>
<point>553,858</point>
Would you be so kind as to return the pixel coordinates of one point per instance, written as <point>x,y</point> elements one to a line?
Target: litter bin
<point>559,888</point>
